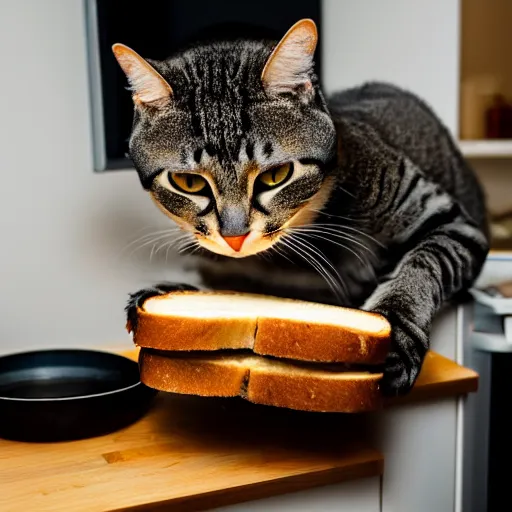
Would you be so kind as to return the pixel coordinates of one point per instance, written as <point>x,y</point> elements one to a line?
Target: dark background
<point>157,28</point>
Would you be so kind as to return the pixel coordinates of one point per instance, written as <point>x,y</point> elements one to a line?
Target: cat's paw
<point>405,358</point>
<point>136,300</point>
<point>398,378</point>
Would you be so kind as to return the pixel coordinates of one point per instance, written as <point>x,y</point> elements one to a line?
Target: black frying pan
<point>62,395</point>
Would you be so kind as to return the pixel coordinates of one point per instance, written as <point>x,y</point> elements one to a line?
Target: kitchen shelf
<point>485,74</point>
<point>486,148</point>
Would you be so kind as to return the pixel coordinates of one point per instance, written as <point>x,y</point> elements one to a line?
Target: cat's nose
<point>235,242</point>
<point>234,224</point>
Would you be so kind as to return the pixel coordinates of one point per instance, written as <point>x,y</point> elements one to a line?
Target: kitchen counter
<point>191,453</point>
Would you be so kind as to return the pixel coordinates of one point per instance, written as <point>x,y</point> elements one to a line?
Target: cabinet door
<point>419,444</point>
<point>358,495</point>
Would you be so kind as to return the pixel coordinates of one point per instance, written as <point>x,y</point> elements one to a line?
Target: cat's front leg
<point>136,300</point>
<point>444,263</point>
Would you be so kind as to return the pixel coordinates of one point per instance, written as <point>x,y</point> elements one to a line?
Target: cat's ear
<point>291,61</point>
<point>147,85</point>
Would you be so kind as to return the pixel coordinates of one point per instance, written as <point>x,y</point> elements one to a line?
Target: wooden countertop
<point>194,453</point>
<point>187,452</point>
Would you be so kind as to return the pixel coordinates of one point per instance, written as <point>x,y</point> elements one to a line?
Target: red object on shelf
<point>498,120</point>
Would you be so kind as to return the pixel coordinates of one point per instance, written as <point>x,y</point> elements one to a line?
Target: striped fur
<point>388,215</point>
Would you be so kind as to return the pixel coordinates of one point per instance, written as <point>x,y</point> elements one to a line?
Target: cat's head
<point>233,140</point>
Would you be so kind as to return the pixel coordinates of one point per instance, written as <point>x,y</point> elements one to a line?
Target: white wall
<point>414,44</point>
<point>63,279</point>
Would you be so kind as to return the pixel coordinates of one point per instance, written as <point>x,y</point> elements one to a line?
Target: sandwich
<point>271,351</point>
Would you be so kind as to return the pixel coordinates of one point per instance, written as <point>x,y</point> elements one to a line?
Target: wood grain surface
<point>188,453</point>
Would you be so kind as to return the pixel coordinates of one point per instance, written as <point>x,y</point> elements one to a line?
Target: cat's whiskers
<point>185,246</point>
<point>344,228</point>
<point>195,249</point>
<point>186,239</point>
<point>152,240</point>
<point>169,243</point>
<point>343,217</point>
<point>312,261</point>
<point>189,244</point>
<point>336,242</point>
<point>157,232</point>
<point>337,228</point>
<point>343,189</point>
<point>307,252</point>
<point>363,257</point>
<point>281,253</point>
<point>312,249</point>
<point>169,246</point>
<point>151,235</point>
<point>336,234</point>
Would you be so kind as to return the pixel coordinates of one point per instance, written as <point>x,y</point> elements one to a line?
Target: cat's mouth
<point>239,247</point>
<point>257,240</point>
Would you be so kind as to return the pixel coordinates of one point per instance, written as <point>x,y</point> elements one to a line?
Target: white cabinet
<point>419,446</point>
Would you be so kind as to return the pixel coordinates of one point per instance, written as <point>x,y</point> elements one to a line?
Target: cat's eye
<point>276,175</point>
<point>187,182</point>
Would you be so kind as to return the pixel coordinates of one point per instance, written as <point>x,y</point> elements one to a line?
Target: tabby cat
<point>361,200</point>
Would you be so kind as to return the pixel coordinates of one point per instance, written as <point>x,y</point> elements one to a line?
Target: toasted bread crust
<point>316,342</point>
<point>278,337</point>
<point>262,381</point>
<point>177,333</point>
<point>190,377</point>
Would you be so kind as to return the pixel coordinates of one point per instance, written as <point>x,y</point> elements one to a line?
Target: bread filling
<point>240,357</point>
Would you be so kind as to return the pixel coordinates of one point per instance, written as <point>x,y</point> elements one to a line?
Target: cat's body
<point>362,201</point>
<point>396,127</point>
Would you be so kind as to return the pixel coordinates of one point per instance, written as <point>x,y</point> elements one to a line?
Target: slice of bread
<point>261,381</point>
<point>285,328</point>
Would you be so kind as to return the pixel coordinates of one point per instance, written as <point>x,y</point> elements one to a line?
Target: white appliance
<point>488,413</point>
